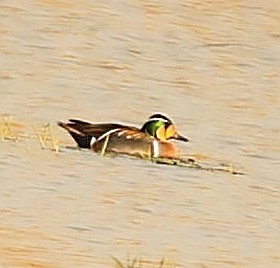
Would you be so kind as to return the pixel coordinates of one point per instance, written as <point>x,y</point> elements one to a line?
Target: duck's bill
<point>181,138</point>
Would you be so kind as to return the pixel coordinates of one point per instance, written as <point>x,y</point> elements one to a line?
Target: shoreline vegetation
<point>15,131</point>
<point>141,263</point>
<point>44,135</point>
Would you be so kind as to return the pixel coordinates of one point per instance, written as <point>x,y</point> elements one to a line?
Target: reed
<point>10,130</point>
<point>6,128</point>
<point>46,138</point>
<point>142,263</point>
<point>105,145</point>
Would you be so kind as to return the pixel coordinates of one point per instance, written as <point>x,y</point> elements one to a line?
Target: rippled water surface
<point>213,66</point>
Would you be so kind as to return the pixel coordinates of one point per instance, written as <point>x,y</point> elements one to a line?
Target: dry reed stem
<point>7,131</point>
<point>41,135</point>
<point>44,136</point>
<point>54,141</point>
<point>140,262</point>
<point>105,145</point>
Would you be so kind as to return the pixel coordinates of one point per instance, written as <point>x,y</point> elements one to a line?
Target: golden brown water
<point>213,66</point>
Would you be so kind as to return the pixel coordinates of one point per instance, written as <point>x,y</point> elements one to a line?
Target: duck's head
<point>162,128</point>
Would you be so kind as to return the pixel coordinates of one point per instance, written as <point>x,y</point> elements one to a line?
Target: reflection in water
<point>212,66</point>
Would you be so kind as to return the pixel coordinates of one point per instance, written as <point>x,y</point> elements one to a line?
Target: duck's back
<point>126,141</point>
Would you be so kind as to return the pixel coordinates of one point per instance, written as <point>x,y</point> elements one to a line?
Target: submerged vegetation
<point>43,134</point>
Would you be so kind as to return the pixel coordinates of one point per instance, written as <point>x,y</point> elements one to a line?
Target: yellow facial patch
<point>170,132</point>
<point>160,133</point>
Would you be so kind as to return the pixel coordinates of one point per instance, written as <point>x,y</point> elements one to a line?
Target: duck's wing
<point>85,133</point>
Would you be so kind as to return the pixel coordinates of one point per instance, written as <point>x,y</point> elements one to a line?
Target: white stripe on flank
<point>156,148</point>
<point>108,133</point>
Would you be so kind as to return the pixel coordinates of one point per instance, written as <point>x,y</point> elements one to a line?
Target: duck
<point>153,140</point>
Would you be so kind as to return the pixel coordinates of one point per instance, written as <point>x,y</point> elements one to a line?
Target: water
<point>212,66</point>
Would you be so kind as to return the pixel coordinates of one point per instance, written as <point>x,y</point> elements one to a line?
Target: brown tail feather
<point>81,139</point>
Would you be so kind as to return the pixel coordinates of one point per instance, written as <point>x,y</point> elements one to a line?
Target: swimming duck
<point>152,140</point>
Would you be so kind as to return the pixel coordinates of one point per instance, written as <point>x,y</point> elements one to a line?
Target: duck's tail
<point>75,129</point>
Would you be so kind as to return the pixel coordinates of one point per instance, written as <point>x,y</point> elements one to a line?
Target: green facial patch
<point>152,126</point>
